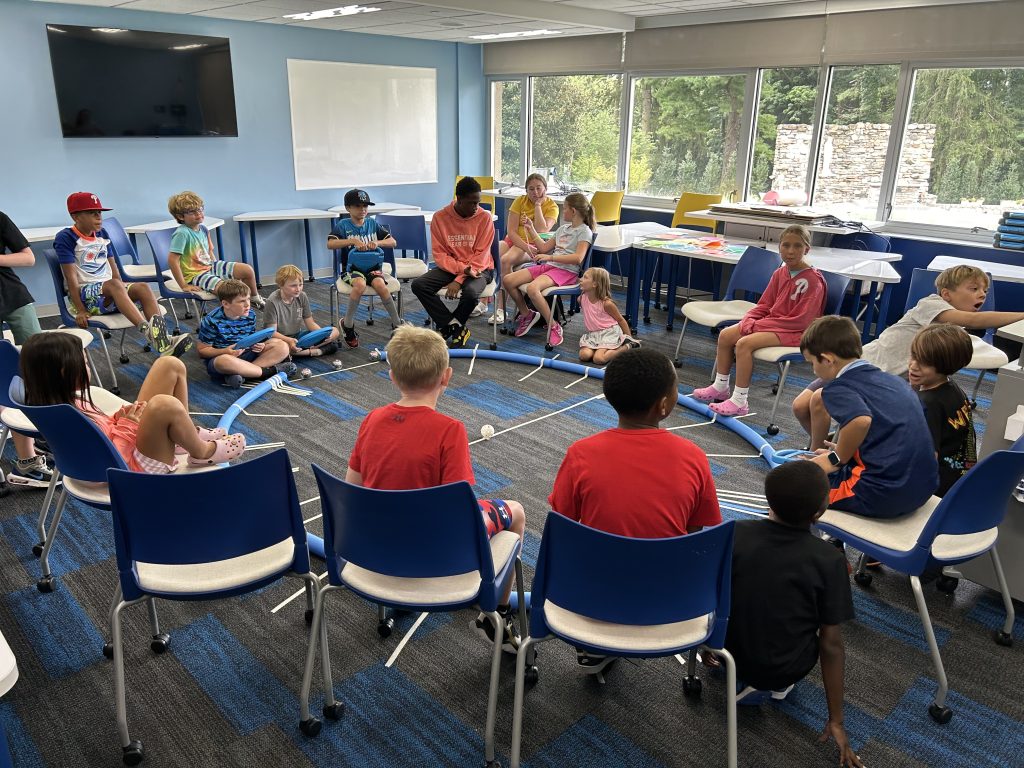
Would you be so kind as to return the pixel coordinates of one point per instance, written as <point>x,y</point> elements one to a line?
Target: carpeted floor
<point>226,693</point>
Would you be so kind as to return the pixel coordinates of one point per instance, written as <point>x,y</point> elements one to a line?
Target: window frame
<point>523,81</point>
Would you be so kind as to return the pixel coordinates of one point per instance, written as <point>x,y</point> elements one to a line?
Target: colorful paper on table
<point>312,338</point>
<point>254,338</point>
<point>687,243</point>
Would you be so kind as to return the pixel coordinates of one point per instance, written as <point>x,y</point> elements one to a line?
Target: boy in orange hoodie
<point>461,235</point>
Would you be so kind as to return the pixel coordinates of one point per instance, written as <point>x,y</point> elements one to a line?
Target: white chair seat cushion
<point>489,290</point>
<point>548,291</point>
<point>140,271</point>
<point>8,667</point>
<point>172,285</point>
<point>985,356</point>
<point>441,590</point>
<point>16,419</point>
<point>345,289</point>
<point>99,493</point>
<point>712,313</point>
<point>959,546</point>
<point>775,354</point>
<point>626,637</point>
<point>218,575</point>
<point>84,336</point>
<point>116,321</point>
<point>407,269</point>
<point>106,401</point>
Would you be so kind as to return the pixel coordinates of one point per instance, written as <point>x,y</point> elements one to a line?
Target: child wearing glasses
<point>192,260</point>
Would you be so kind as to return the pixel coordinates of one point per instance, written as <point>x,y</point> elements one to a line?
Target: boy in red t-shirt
<point>409,444</point>
<point>637,479</point>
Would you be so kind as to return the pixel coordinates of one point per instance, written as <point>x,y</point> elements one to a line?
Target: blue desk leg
<point>135,245</point>
<point>309,250</point>
<point>649,280</point>
<point>883,309</point>
<point>241,243</point>
<point>636,269</point>
<point>220,242</point>
<point>869,313</point>
<point>673,281</point>
<point>855,286</point>
<point>255,256</point>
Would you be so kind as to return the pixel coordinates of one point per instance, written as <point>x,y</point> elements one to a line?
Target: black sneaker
<point>30,473</point>
<point>592,664</point>
<point>287,367</point>
<point>155,331</point>
<point>232,381</point>
<point>179,345</point>
<point>329,348</point>
<point>459,337</point>
<point>510,638</point>
<point>351,337</point>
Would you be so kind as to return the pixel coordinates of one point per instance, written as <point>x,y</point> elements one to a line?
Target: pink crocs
<point>204,434</point>
<point>710,395</point>
<point>729,408</point>
<point>228,448</point>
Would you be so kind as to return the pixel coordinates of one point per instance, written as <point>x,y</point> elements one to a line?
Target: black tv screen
<point>123,82</point>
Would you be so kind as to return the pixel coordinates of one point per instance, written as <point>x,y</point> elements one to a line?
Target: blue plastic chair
<point>421,550</point>
<point>986,357</point>
<point>160,244</point>
<point>410,232</point>
<point>944,532</point>
<point>751,274</point>
<point>862,241</point>
<point>173,551</point>
<point>341,288</point>
<point>783,357</point>
<point>132,271</point>
<point>555,294</point>
<point>642,598</point>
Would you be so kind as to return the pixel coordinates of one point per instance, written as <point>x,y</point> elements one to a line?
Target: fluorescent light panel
<point>331,13</point>
<point>504,35</point>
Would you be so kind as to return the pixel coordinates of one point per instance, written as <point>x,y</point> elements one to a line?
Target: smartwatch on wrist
<point>833,458</point>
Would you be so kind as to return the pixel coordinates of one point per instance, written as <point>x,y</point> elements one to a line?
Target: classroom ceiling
<point>465,20</point>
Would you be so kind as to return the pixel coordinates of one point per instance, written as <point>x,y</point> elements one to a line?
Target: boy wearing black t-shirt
<point>790,593</point>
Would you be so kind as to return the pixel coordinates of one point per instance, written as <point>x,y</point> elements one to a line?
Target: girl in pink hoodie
<point>794,297</point>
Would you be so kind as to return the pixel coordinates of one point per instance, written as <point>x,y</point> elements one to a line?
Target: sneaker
<point>630,342</point>
<point>179,346</point>
<point>781,695</point>
<point>710,395</point>
<point>287,367</point>
<point>233,381</point>
<point>328,349</point>
<point>526,322</point>
<point>510,638</point>
<point>555,335</point>
<point>155,331</point>
<point>30,473</point>
<point>459,337</point>
<point>497,318</point>
<point>593,664</point>
<point>351,337</point>
<point>729,408</point>
<point>479,309</point>
<point>258,301</point>
<point>752,697</point>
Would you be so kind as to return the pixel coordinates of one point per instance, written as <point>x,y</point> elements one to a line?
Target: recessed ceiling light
<point>55,29</point>
<point>108,30</point>
<point>330,13</point>
<point>187,47</point>
<point>503,35</point>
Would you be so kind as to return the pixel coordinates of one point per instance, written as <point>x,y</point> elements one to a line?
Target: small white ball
<point>375,354</point>
<point>337,363</point>
<point>486,431</point>
<point>305,373</point>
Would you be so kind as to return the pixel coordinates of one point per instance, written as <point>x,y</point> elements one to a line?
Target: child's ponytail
<point>579,202</point>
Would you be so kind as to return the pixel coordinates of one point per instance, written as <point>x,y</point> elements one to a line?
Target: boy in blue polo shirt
<point>883,462</point>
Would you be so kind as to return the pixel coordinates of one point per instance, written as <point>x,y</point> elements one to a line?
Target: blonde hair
<point>183,201</point>
<point>800,231</point>
<point>286,274</point>
<point>535,177</point>
<point>418,357</point>
<point>579,202</point>
<point>952,278</point>
<point>602,282</point>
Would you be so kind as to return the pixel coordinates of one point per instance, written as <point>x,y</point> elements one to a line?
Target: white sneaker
<point>497,318</point>
<point>478,310</point>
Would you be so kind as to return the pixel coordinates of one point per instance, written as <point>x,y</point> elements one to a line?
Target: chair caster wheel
<point>974,404</point>
<point>309,617</point>
<point>369,322</point>
<point>427,322</point>
<point>133,753</point>
<point>772,430</point>
<point>531,675</point>
<point>115,390</point>
<point>385,627</point>
<point>503,331</point>
<point>715,331</point>
<point>108,650</point>
<point>123,359</point>
<point>492,764</point>
<point>940,715</point>
<point>310,727</point>
<point>334,711</point>
<point>188,316</point>
<point>947,584</point>
<point>678,363</point>
<point>548,347</point>
<point>775,389</point>
<point>492,346</point>
<point>160,642</point>
<point>46,584</point>
<point>6,489</point>
<point>1004,639</point>
<point>692,687</point>
<point>863,579</point>
<point>148,348</point>
<point>106,334</point>
<point>37,549</point>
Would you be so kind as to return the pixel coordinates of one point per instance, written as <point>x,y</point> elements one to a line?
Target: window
<point>685,134</point>
<point>575,128</point>
<point>851,158</point>
<point>506,130</point>
<point>782,132</point>
<point>960,162</point>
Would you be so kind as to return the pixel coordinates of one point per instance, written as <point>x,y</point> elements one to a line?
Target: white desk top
<point>8,667</point>
<point>211,222</point>
<point>41,234</point>
<point>1006,273</point>
<point>511,193</point>
<point>759,221</point>
<point>1013,331</point>
<point>381,207</point>
<point>619,237</point>
<point>291,214</point>
<point>428,216</point>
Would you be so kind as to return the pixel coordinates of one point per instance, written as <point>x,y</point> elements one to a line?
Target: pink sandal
<point>729,408</point>
<point>228,448</point>
<point>209,435</point>
<point>709,395</point>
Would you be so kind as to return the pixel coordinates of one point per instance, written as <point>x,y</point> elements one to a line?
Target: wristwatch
<point>833,458</point>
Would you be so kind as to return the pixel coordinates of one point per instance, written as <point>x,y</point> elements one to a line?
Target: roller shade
<point>590,53</point>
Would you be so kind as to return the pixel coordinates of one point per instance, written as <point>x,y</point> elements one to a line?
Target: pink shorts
<point>557,275</point>
<point>123,433</point>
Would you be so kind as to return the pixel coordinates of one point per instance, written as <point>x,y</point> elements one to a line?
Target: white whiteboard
<point>362,124</point>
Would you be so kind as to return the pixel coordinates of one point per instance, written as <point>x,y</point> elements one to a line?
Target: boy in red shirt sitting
<point>637,479</point>
<point>409,444</point>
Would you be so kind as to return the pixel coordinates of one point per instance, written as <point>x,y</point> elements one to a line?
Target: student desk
<point>768,224</point>
<point>293,214</point>
<point>382,207</point>
<point>212,223</point>
<point>619,238</point>
<point>42,234</point>
<point>1005,273</point>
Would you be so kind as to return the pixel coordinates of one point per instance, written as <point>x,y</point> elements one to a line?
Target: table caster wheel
<point>123,359</point>
<point>160,642</point>
<point>1004,639</point>
<point>310,727</point>
<point>37,549</point>
<point>692,687</point>
<point>940,715</point>
<point>334,711</point>
<point>772,430</point>
<point>46,584</point>
<point>863,579</point>
<point>133,753</point>
<point>108,650</point>
<point>531,675</point>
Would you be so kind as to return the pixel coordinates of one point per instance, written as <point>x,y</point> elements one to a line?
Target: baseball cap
<point>84,201</point>
<point>357,197</point>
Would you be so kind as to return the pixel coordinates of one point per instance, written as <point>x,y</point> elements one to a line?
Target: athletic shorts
<point>216,375</point>
<point>94,300</point>
<point>557,275</point>
<point>123,433</point>
<point>368,274</point>
<point>219,270</point>
<point>497,515</point>
<point>815,385</point>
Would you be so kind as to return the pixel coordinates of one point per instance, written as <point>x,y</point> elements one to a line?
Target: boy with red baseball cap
<point>95,285</point>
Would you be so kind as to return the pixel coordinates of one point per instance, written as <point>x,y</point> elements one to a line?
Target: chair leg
<point>95,372</point>
<point>730,704</point>
<point>309,725</point>
<point>492,694</point>
<point>45,584</point>
<point>977,386</point>
<point>783,372</point>
<point>41,522</point>
<point>938,709</point>
<point>116,389</point>
<point>618,268</point>
<point>174,314</point>
<point>679,343</point>
<point>1004,637</point>
<point>132,751</point>
<point>517,704</point>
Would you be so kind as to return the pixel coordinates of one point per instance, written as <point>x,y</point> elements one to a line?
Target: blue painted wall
<point>252,172</point>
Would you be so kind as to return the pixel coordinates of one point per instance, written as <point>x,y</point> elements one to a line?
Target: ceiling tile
<point>175,6</point>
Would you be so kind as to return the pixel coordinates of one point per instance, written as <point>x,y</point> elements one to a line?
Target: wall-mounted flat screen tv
<point>113,82</point>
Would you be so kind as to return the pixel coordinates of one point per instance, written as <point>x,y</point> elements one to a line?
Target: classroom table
<point>293,214</point>
<point>382,207</point>
<point>619,238</point>
<point>767,224</point>
<point>212,223</point>
<point>1004,273</point>
<point>871,267</point>
<point>42,234</point>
